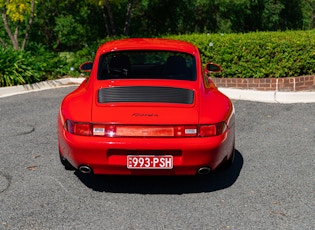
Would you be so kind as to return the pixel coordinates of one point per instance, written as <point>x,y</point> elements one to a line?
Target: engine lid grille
<point>155,94</point>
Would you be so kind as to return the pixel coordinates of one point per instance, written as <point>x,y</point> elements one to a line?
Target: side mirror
<point>86,66</point>
<point>213,68</point>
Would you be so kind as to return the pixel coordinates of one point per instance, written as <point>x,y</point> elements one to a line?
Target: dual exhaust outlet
<point>204,170</point>
<point>88,170</point>
<point>85,169</point>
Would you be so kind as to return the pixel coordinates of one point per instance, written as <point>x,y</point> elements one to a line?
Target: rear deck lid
<point>145,105</point>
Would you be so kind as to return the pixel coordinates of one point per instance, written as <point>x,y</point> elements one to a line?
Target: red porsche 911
<point>147,108</point>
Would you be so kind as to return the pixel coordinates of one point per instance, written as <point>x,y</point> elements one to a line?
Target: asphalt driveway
<point>270,186</point>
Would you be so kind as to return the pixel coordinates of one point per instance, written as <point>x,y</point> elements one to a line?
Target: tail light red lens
<point>82,129</point>
<point>212,130</point>
<point>87,129</point>
<point>78,128</point>
<point>207,130</point>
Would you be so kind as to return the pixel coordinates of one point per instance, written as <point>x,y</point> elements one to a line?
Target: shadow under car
<point>216,180</point>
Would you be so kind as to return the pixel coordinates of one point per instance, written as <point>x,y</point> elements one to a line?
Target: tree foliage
<point>17,10</point>
<point>14,13</point>
<point>42,39</point>
<point>73,24</point>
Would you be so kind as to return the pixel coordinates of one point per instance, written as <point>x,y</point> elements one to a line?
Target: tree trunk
<point>30,22</point>
<point>106,21</point>
<point>13,38</point>
<point>111,17</point>
<point>128,17</point>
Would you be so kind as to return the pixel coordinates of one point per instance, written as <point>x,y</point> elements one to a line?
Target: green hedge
<point>251,55</point>
<point>259,54</point>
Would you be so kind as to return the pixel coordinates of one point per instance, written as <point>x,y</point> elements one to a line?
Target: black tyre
<point>229,162</point>
<point>66,163</point>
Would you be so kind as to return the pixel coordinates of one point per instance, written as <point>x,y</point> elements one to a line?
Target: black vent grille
<point>146,94</point>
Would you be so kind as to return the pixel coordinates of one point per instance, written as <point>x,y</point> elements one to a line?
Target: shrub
<point>16,68</point>
<point>259,54</point>
<point>75,59</point>
<point>50,64</point>
<point>252,55</point>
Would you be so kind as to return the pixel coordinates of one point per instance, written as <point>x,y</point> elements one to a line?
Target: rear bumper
<point>109,155</point>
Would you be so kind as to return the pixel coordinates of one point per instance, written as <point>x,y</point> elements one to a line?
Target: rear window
<point>147,65</point>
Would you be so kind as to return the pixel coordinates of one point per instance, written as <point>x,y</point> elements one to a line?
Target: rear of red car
<point>147,109</point>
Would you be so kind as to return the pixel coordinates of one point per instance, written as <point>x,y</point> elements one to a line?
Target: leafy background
<point>250,39</point>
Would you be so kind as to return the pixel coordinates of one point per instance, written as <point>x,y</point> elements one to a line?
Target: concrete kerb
<point>44,85</point>
<point>269,96</point>
<point>237,94</point>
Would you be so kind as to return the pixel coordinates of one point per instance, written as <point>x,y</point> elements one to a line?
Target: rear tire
<point>65,163</point>
<point>229,162</point>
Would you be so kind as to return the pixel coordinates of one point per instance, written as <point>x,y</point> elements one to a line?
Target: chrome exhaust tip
<point>85,169</point>
<point>204,170</point>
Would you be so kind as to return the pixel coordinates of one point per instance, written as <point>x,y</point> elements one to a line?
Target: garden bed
<point>303,83</point>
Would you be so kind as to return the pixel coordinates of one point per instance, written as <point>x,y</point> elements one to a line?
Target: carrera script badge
<point>145,115</point>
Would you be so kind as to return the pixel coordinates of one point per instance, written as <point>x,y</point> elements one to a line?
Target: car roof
<point>148,44</point>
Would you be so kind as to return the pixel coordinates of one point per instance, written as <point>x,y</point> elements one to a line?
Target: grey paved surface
<point>250,95</point>
<point>270,186</point>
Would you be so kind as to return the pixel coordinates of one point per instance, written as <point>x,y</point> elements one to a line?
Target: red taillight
<point>144,131</point>
<point>78,128</point>
<point>212,130</point>
<point>156,131</point>
<point>87,129</point>
<point>207,130</point>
